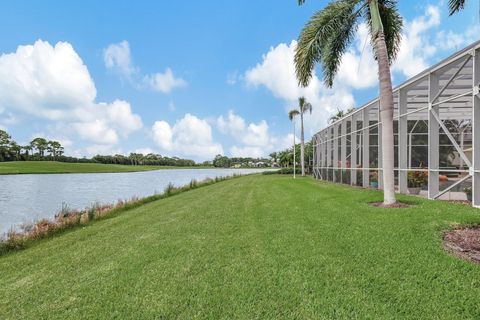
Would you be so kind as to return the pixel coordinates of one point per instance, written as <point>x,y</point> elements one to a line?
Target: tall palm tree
<point>455,6</point>
<point>303,107</point>
<point>326,37</point>
<point>291,115</point>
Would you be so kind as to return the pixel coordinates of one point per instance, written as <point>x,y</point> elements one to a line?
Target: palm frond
<point>304,105</point>
<point>392,26</point>
<point>292,114</point>
<point>454,6</point>
<point>324,39</point>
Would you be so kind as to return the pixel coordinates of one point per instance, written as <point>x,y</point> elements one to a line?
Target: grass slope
<point>18,167</point>
<point>254,247</point>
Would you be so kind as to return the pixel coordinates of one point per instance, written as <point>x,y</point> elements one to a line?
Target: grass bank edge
<point>68,220</point>
<point>44,167</point>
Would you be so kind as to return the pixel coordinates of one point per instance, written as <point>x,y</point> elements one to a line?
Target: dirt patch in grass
<point>464,202</point>
<point>390,206</point>
<point>464,242</point>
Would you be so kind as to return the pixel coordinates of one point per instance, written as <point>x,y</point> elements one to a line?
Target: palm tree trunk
<point>386,103</point>
<point>302,145</point>
<point>386,116</point>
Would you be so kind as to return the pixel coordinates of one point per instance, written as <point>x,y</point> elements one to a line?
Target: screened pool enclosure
<point>436,134</point>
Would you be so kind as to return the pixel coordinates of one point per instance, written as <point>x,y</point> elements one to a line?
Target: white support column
<point>323,162</point>
<point>335,152</point>
<point>433,139</point>
<point>379,156</point>
<point>402,141</point>
<point>343,149</point>
<point>353,150</point>
<point>329,151</point>
<point>475,171</point>
<point>366,148</point>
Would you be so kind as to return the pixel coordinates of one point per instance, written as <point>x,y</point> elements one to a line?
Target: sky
<point>189,78</point>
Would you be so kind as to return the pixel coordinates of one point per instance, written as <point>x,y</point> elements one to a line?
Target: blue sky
<point>187,78</point>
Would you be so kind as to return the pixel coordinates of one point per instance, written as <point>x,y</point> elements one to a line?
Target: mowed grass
<point>256,247</point>
<point>18,167</point>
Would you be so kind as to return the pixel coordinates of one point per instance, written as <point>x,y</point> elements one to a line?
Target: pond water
<point>29,197</point>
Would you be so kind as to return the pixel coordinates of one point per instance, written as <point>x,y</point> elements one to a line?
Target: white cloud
<point>415,48</point>
<point>120,115</point>
<point>117,57</point>
<point>164,82</point>
<point>232,124</point>
<point>358,67</point>
<point>449,40</point>
<point>277,74</point>
<point>189,136</point>
<point>53,83</point>
<point>144,151</point>
<point>252,140</point>
<point>97,131</point>
<point>162,134</point>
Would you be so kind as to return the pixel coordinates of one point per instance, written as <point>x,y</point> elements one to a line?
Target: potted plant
<point>416,180</point>
<point>374,179</point>
<point>468,192</point>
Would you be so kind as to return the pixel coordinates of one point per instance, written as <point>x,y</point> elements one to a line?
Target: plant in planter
<point>374,179</point>
<point>416,180</point>
<point>468,192</point>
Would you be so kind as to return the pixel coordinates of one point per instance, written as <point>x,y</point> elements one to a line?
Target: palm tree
<point>27,148</point>
<point>291,115</point>
<point>15,150</point>
<point>455,6</point>
<point>326,37</point>
<point>303,107</point>
<point>340,114</point>
<point>274,156</point>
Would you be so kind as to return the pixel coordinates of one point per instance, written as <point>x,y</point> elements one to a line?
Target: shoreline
<point>70,219</point>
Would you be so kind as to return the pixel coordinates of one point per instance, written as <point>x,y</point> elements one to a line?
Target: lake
<point>29,197</point>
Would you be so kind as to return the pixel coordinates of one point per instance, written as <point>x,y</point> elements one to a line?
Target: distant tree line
<point>40,149</point>
<point>146,160</point>
<point>37,149</point>
<point>221,161</point>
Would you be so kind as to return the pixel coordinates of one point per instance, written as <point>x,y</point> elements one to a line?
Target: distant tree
<point>39,144</point>
<point>340,114</point>
<point>285,158</point>
<point>291,115</point>
<point>5,140</point>
<point>55,149</point>
<point>221,161</point>
<point>27,148</point>
<point>274,156</point>
<point>303,107</point>
<point>15,150</point>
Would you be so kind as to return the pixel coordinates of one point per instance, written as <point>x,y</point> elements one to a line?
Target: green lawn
<point>256,247</point>
<point>18,167</point>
